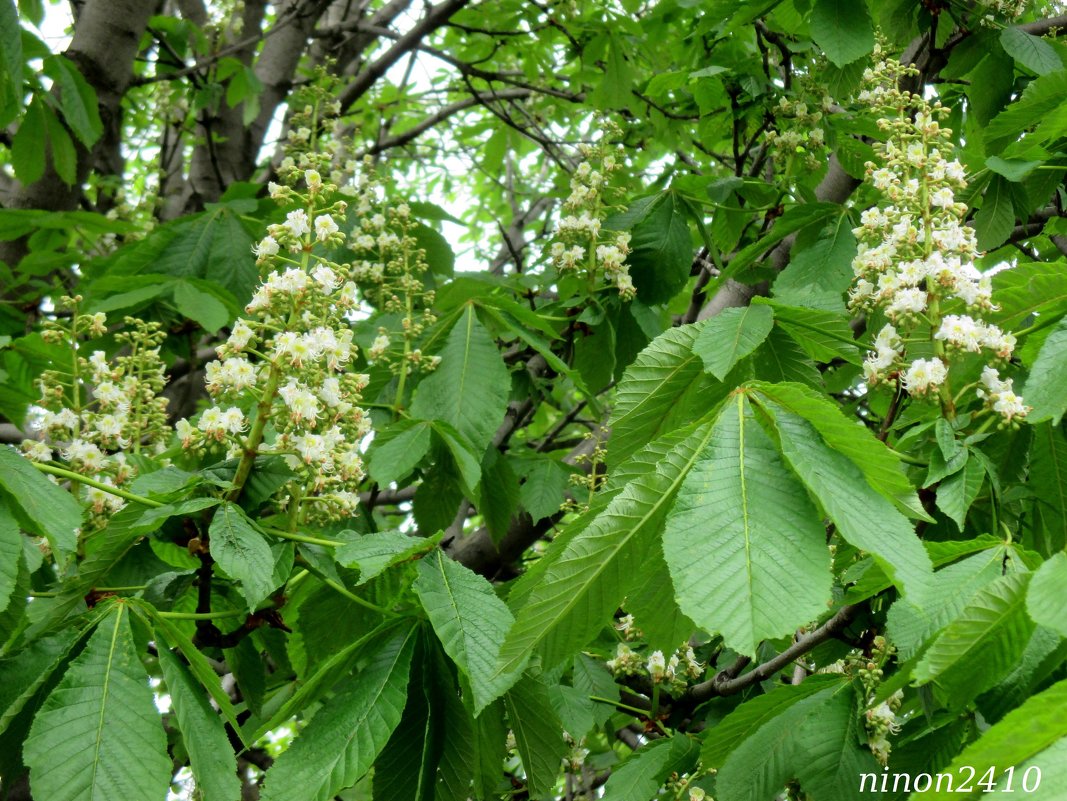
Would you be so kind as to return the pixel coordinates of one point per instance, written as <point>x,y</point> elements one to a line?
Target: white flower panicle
<point>915,258</point>
<point>283,383</point>
<point>91,415</point>
<point>580,245</point>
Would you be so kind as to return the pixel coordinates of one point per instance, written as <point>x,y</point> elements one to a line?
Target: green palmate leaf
<point>957,492</point>
<point>470,621</point>
<point>843,29</point>
<point>498,495</point>
<point>200,306</point>
<point>732,335</point>
<point>832,759</point>
<point>655,607</point>
<point>11,64</point>
<point>862,517</point>
<point>466,456</point>
<point>996,217</point>
<point>780,359</point>
<point>544,487</point>
<point>243,552</point>
<point>10,552</point>
<point>459,753</point>
<point>22,675</point>
<point>1044,654</point>
<point>724,737</point>
<point>761,764</point>
<point>1035,287</point>
<point>77,100</point>
<point>912,623</point>
<point>374,553</point>
<point>199,666</point>
<point>1046,600</point>
<point>645,771</point>
<point>538,733</point>
<point>579,591</point>
<point>1026,733</point>
<point>881,466</point>
<point>745,546</point>
<point>663,389</point>
<point>339,745</point>
<point>397,450</point>
<point>210,754</point>
<point>469,390</point>
<point>40,505</point>
<point>1012,169</point>
<point>98,734</point>
<point>1046,388</point>
<point>27,154</point>
<point>823,335</point>
<point>1041,98</point>
<point>1031,51</point>
<point>64,156</point>
<point>661,248</point>
<point>982,644</point>
<point>407,767</point>
<point>819,276</point>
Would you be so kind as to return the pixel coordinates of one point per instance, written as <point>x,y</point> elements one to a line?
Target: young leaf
<point>243,552</point>
<point>745,546</point>
<point>470,388</point>
<point>957,492</point>
<point>339,745</point>
<point>397,450</point>
<point>45,508</point>
<point>1031,51</point>
<point>732,335</point>
<point>1046,600</point>
<point>210,754</point>
<point>98,734</point>
<point>27,150</point>
<point>77,100</point>
<point>469,619</point>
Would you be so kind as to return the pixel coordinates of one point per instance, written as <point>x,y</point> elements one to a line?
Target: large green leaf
<point>45,508</point>
<point>23,674</point>
<point>843,29</point>
<point>1048,480</point>
<point>745,546</point>
<point>1031,51</point>
<point>881,466</point>
<point>861,515</point>
<point>339,745</point>
<point>10,551</point>
<point>661,390</point>
<point>1042,99</point>
<point>996,217</point>
<point>77,100</point>
<point>1046,388</point>
<point>724,737</point>
<point>1025,733</point>
<point>11,64</point>
<point>469,389</point>
<point>982,644</point>
<point>823,335</point>
<point>761,764</point>
<point>831,759</point>
<point>243,552</point>
<point>377,551</point>
<point>210,754</point>
<point>98,734</point>
<point>645,771</point>
<point>397,449</point>
<point>1046,600</point>
<point>732,335</point>
<point>1034,287</point>
<point>661,250</point>
<point>579,591</point>
<point>538,733</point>
<point>470,621</point>
<point>818,276</point>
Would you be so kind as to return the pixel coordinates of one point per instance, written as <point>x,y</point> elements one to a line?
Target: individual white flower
<point>268,246</point>
<point>313,179</point>
<point>276,191</point>
<point>325,227</point>
<point>297,222</point>
<point>240,336</point>
<point>325,277</point>
<point>924,375</point>
<point>378,347</point>
<point>36,450</point>
<point>108,394</point>
<point>656,666</point>
<point>185,431</point>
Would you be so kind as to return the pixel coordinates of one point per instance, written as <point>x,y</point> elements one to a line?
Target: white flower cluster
<point>675,671</point>
<point>93,415</point>
<point>881,722</point>
<point>579,246</point>
<point>915,258</point>
<point>290,362</point>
